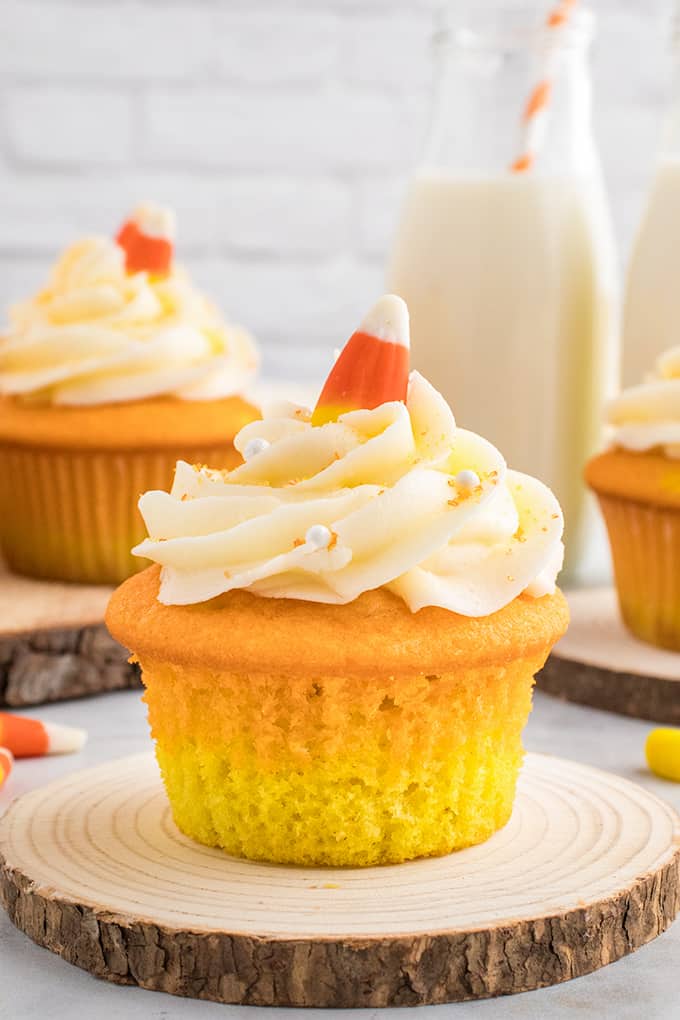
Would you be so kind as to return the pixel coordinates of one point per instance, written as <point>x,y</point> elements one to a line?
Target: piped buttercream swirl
<point>396,497</point>
<point>647,416</point>
<point>98,334</point>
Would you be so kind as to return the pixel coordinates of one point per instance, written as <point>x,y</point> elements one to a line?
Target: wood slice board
<point>54,645</point>
<point>599,663</point>
<point>587,870</point>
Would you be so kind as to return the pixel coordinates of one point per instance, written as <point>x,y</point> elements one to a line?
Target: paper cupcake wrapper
<point>72,515</point>
<point>340,771</point>
<point>645,544</point>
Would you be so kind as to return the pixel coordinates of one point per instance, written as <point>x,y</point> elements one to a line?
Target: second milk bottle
<point>504,250</point>
<point>652,305</point>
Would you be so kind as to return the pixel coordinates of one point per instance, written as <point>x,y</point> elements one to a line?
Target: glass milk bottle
<point>651,318</point>
<point>505,255</point>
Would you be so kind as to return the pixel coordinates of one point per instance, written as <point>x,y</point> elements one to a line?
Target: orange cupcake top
<point>294,637</point>
<point>647,476</point>
<point>157,423</point>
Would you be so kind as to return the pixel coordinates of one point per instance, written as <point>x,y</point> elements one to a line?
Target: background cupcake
<point>107,376</point>
<point>637,482</point>
<point>340,656</point>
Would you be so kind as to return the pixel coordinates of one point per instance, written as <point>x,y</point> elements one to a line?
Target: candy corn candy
<point>147,239</point>
<point>30,738</point>
<point>6,763</point>
<point>373,366</point>
<point>663,753</point>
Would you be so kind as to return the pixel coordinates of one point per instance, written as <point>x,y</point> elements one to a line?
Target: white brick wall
<point>281,131</point>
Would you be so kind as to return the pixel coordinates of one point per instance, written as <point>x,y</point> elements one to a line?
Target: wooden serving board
<point>54,645</point>
<point>599,663</point>
<point>587,870</point>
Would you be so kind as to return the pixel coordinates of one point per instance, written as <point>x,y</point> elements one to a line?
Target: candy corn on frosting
<point>637,481</point>
<point>109,375</point>
<point>339,637</point>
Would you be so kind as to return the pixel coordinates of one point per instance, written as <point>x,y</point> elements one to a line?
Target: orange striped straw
<point>533,118</point>
<point>6,763</point>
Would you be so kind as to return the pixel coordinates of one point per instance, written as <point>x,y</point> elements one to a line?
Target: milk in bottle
<point>651,319</point>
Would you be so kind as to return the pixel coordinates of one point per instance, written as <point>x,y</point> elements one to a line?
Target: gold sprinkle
<point>555,517</point>
<point>333,542</point>
<point>298,542</point>
<point>453,502</point>
<point>227,574</point>
<point>510,577</point>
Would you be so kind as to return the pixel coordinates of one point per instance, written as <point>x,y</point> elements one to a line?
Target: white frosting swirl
<point>385,484</point>
<point>97,334</point>
<point>648,416</point>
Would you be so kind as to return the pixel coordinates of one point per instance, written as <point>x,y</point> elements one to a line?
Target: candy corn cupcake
<point>340,636</point>
<point>637,481</point>
<point>108,376</point>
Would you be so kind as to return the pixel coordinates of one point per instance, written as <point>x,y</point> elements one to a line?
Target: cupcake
<point>108,376</point>
<point>637,482</point>
<point>339,637</point>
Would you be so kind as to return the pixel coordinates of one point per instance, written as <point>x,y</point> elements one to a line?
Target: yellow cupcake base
<point>70,477</point>
<point>71,515</point>
<point>645,544</point>
<point>340,771</point>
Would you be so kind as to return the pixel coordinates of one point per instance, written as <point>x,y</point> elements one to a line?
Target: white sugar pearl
<point>254,447</point>
<point>467,479</point>
<point>318,536</point>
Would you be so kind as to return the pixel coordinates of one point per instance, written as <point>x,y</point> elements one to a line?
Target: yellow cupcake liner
<point>340,771</point>
<point>645,544</point>
<point>71,515</point>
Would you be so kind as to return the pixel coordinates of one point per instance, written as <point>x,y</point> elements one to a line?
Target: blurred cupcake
<point>107,376</point>
<point>339,649</point>
<point>637,482</point>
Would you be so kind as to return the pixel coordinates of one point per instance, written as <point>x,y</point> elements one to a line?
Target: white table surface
<point>36,985</point>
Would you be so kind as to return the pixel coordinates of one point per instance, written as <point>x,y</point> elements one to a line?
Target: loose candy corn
<point>6,763</point>
<point>663,753</point>
<point>30,738</point>
<point>147,240</point>
<point>373,366</point>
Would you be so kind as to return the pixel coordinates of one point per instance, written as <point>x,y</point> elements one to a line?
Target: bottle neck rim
<point>498,29</point>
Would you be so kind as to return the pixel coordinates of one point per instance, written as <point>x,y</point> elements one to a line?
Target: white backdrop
<point>282,132</point>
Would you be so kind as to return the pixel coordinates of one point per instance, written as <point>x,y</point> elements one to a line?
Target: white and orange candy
<point>147,239</point>
<point>31,738</point>
<point>373,366</point>
<point>6,763</point>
